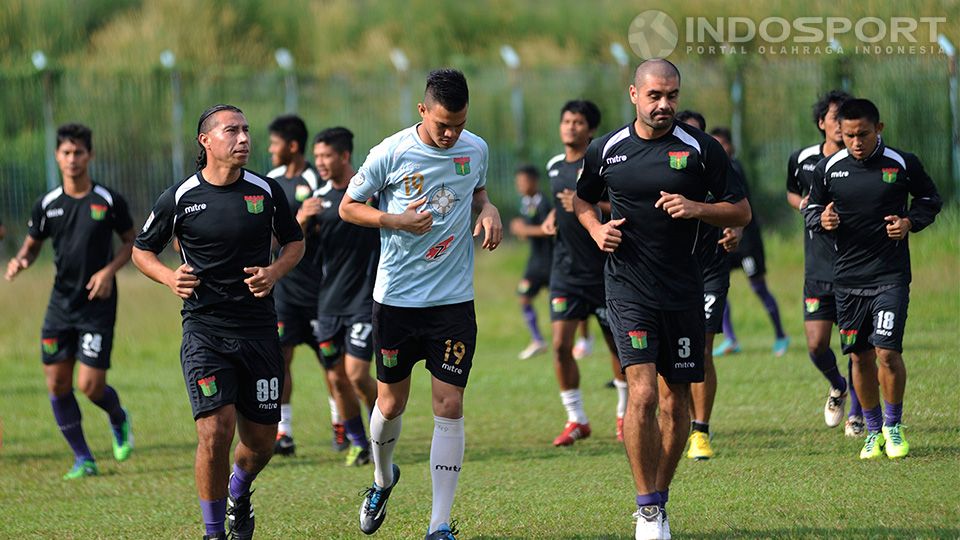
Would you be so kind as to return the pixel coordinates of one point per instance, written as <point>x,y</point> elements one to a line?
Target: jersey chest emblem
<point>438,250</point>
<point>890,175</point>
<point>443,200</point>
<point>678,160</point>
<point>302,193</point>
<point>461,165</point>
<point>254,203</point>
<point>99,211</point>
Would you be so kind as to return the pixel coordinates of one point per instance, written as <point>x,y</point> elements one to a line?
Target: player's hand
<point>15,266</point>
<point>415,221</point>
<point>310,207</point>
<point>549,225</point>
<point>100,285</point>
<point>261,280</point>
<point>731,238</point>
<point>898,227</point>
<point>804,202</point>
<point>517,228</point>
<point>183,282</point>
<point>608,236</point>
<point>829,219</point>
<point>677,206</point>
<point>489,222</point>
<point>566,199</point>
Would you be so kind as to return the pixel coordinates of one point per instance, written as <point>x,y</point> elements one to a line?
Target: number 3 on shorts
<point>268,390</point>
<point>684,351</point>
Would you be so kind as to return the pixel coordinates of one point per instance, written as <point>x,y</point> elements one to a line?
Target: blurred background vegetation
<point>104,70</point>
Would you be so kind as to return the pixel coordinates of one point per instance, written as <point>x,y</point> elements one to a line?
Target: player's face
<point>860,136</point>
<point>73,158</point>
<point>442,126</point>
<point>228,142</point>
<point>726,144</point>
<point>656,100</point>
<point>574,129</point>
<point>281,151</point>
<point>525,184</point>
<point>331,164</point>
<point>831,126</point>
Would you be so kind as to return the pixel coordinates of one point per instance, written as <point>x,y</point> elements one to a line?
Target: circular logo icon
<point>443,201</point>
<point>652,34</point>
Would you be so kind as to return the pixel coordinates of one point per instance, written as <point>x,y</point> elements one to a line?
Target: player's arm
<point>25,256</point>
<point>549,225</point>
<point>718,214</point>
<point>590,189</point>
<point>488,220</point>
<point>924,207</point>
<point>522,229</point>
<point>819,213</point>
<point>101,283</point>
<point>794,190</point>
<point>411,220</point>
<point>181,281</point>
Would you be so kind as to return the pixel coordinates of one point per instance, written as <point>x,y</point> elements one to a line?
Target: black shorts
<point>819,302</point>
<point>674,340</point>
<point>749,255</point>
<point>713,304</point>
<point>296,325</point>
<point>352,334</point>
<point>531,284</point>
<point>872,321</point>
<point>91,346</point>
<point>567,304</point>
<point>247,373</point>
<point>446,336</point>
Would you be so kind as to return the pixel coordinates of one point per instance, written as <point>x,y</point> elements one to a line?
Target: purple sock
<point>214,514</point>
<point>759,286</point>
<point>67,413</point>
<point>728,323</point>
<point>855,408</point>
<point>826,362</point>
<point>530,316</point>
<point>892,412</point>
<point>240,481</point>
<point>355,432</point>
<point>664,497</point>
<point>648,499</point>
<point>110,402</point>
<point>874,418</point>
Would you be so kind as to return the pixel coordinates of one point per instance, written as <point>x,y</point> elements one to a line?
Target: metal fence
<point>516,111</point>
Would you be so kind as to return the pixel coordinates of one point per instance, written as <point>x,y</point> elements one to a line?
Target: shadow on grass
<point>802,532</point>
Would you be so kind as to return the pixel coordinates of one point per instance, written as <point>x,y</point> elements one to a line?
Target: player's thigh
<point>330,332</point>
<point>447,399</point>
<point>819,301</point>
<point>680,359</point>
<point>95,347</point>
<point>259,379</point>
<point>358,341</point>
<point>854,322</point>
<point>450,342</point>
<point>209,374</point>
<point>397,345</point>
<point>636,332</point>
<point>889,315</point>
<point>714,302</point>
<point>91,381</point>
<point>58,344</point>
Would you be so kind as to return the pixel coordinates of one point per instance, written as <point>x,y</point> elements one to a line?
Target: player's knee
<point>59,386</point>
<point>448,405</point>
<point>889,359</point>
<point>817,345</point>
<point>643,402</point>
<point>92,388</point>
<point>390,407</point>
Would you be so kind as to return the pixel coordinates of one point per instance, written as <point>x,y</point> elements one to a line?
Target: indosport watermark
<point>654,34</point>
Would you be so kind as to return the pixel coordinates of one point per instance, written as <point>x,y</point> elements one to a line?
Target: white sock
<point>446,458</point>
<point>621,397</point>
<point>383,438</point>
<point>334,411</point>
<point>286,419</point>
<point>574,404</point>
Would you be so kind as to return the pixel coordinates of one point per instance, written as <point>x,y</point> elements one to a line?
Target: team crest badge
<point>678,160</point>
<point>638,339</point>
<point>890,175</point>
<point>280,329</point>
<point>389,357</point>
<point>208,385</point>
<point>301,193</point>
<point>848,337</point>
<point>461,165</point>
<point>50,345</point>
<point>254,203</point>
<point>813,304</point>
<point>328,348</point>
<point>523,287</point>
<point>98,211</point>
<point>558,304</point>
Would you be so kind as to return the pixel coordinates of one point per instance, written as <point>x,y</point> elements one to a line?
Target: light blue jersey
<point>436,268</point>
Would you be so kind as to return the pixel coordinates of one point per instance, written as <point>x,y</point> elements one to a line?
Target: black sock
<point>701,427</point>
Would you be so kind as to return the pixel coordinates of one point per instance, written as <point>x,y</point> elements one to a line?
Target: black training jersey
<point>221,230</point>
<point>350,254</point>
<point>299,287</point>
<point>657,262</point>
<point>577,261</point>
<point>534,210</point>
<point>864,193</point>
<point>82,231</point>
<point>819,248</point>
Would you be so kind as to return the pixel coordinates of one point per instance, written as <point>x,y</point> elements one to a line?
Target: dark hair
<point>822,106</point>
<point>855,109</point>
<point>530,171</point>
<point>721,131</point>
<point>340,138</point>
<point>588,109</point>
<point>448,87</point>
<point>203,126</point>
<point>75,133</point>
<point>290,128</point>
<point>687,114</point>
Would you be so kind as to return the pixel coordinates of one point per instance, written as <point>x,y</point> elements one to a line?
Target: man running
<point>534,209</point>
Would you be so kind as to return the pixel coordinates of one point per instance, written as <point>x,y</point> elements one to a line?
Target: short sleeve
<point>793,175</point>
<point>285,226</point>
<point>723,181</point>
<point>590,185</point>
<point>372,176</point>
<point>36,227</point>
<point>482,172</point>
<point>819,197</point>
<point>158,229</point>
<point>122,221</point>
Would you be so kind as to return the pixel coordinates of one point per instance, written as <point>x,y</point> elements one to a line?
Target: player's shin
<point>446,459</point>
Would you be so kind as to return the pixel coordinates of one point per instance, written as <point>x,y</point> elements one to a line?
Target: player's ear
<point>294,147</point>
<point>204,140</point>
<point>422,109</point>
<point>879,127</point>
<point>634,94</point>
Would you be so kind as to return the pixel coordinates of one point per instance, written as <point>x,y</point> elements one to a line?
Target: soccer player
<point>225,217</point>
<point>861,194</point>
<point>534,209</point>
<point>428,177</point>
<point>750,257</point>
<point>714,245</point>
<point>819,255</point>
<point>345,295</point>
<point>657,173</point>
<point>81,216</point>
<point>295,295</point>
<point>576,279</point>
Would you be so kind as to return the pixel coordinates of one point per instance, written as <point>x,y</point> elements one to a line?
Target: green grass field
<point>779,472</point>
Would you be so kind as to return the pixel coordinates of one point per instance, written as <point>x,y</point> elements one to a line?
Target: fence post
<point>512,60</point>
<point>620,55</point>
<point>951,53</point>
<point>285,61</point>
<point>169,60</point>
<point>49,130</point>
<point>402,64</point>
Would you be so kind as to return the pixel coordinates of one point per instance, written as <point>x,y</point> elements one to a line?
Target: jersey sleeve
<point>285,225</point>
<point>122,221</point>
<point>158,229</point>
<point>793,181</point>
<point>590,185</point>
<point>372,176</point>
<point>484,163</point>
<point>36,227</point>
<point>819,197</point>
<point>926,203</point>
<point>723,181</point>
